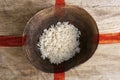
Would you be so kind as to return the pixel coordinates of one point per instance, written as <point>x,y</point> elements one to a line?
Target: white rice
<point>60,42</point>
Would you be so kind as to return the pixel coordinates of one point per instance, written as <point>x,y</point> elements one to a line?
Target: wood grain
<point>104,65</point>
<point>15,66</point>
<point>14,14</point>
<point>101,3</point>
<point>107,18</point>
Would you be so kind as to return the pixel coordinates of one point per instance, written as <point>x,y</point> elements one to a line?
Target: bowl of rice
<point>57,43</point>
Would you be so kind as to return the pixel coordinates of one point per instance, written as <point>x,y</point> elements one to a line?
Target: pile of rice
<point>60,42</point>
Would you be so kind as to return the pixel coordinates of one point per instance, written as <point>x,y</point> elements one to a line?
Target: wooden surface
<point>105,63</point>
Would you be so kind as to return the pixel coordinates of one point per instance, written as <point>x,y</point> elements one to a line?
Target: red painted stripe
<point>103,39</point>
<point>11,41</point>
<point>58,5</point>
<point>59,76</point>
<point>60,12</point>
<point>109,38</point>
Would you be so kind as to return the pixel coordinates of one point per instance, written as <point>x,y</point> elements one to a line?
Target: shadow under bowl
<point>79,18</point>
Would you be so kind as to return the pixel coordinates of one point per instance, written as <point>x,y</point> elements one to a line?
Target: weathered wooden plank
<point>101,3</point>
<point>104,65</point>
<point>15,66</point>
<point>14,14</point>
<point>105,12</point>
<point>107,18</point>
<point>74,2</point>
<point>11,20</point>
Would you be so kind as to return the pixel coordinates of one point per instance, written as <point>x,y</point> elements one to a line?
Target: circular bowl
<point>43,19</point>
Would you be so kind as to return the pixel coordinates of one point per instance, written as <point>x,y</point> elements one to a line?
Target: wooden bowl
<point>43,19</point>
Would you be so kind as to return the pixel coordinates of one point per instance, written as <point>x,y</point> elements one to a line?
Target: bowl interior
<point>43,19</point>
